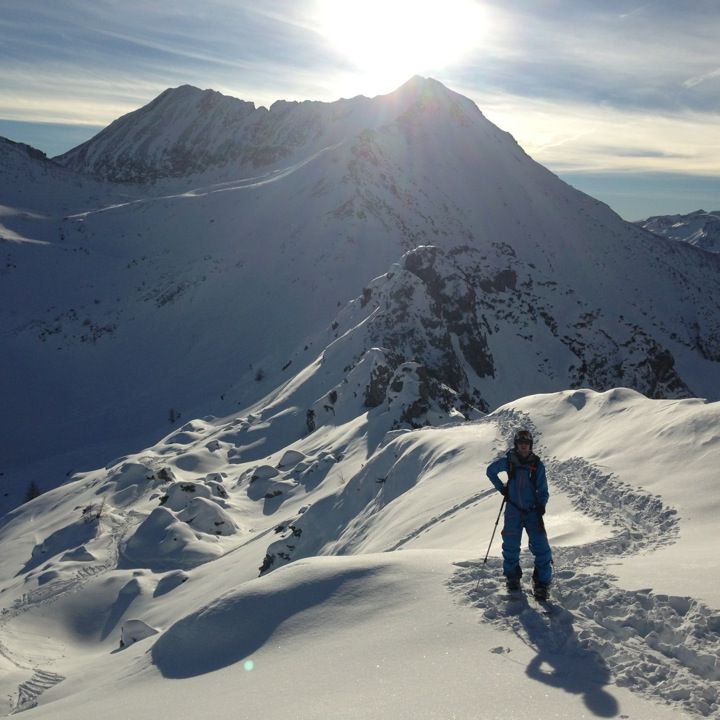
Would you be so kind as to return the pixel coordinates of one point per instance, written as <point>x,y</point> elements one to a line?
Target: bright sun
<point>389,41</point>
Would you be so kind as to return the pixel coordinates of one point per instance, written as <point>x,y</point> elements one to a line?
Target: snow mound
<point>264,472</point>
<point>79,554</point>
<point>164,541</point>
<point>64,540</point>
<point>290,458</point>
<point>170,581</point>
<point>130,481</point>
<point>135,630</point>
<point>180,494</point>
<point>207,517</point>
<point>230,629</point>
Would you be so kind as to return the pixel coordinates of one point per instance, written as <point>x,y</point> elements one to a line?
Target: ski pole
<point>502,505</point>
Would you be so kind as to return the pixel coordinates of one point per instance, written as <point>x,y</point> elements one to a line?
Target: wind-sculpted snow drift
<point>368,485</point>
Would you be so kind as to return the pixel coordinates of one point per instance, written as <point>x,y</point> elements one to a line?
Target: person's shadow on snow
<point>562,663</point>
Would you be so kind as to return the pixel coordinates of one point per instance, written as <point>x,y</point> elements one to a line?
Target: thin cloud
<point>695,81</point>
<point>592,138</point>
<point>620,151</point>
<point>178,50</point>
<point>579,83</point>
<point>633,13</point>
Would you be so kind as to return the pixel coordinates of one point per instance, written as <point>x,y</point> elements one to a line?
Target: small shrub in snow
<point>166,475</point>
<point>267,563</point>
<point>33,491</point>
<point>94,512</point>
<point>218,490</point>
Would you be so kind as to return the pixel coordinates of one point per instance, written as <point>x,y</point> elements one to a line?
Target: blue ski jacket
<point>523,493</point>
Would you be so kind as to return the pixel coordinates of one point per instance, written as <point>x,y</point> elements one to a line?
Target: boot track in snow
<point>664,647</point>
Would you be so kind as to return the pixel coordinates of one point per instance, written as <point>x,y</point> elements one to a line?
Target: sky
<point>619,98</point>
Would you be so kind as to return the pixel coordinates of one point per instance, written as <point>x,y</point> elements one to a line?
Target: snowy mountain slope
<point>700,228</point>
<point>187,131</point>
<point>37,194</point>
<point>486,322</point>
<point>184,302</point>
<point>182,130</point>
<point>421,629</point>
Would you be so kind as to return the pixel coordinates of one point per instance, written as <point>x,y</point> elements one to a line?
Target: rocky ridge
<point>699,228</point>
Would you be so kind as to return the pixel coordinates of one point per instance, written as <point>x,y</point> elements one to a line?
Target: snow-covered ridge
<point>180,131</point>
<point>186,131</point>
<point>699,228</point>
<point>148,568</point>
<point>347,310</point>
<point>509,282</point>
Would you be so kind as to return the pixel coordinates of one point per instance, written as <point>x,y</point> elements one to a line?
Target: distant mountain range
<point>699,228</point>
<point>315,261</point>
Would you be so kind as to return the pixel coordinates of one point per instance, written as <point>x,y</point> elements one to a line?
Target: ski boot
<point>541,590</point>
<point>512,582</point>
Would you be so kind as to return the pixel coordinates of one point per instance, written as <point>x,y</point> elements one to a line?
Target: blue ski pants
<point>515,521</point>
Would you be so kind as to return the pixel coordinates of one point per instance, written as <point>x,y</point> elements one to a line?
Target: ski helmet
<point>523,436</point>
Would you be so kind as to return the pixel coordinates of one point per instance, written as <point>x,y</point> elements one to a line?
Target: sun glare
<point>388,41</point>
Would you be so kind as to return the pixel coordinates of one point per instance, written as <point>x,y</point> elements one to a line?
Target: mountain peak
<point>421,94</point>
<point>180,132</point>
<point>187,92</point>
<point>420,87</point>
<point>418,82</point>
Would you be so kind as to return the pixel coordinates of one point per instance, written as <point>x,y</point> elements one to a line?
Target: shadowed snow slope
<point>373,600</point>
<point>202,293</point>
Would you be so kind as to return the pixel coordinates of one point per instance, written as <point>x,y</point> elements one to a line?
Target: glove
<point>540,510</point>
<point>504,491</point>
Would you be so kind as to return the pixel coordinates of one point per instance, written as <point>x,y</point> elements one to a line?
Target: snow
<point>166,301</point>
<point>383,606</point>
<point>315,546</point>
<point>700,228</point>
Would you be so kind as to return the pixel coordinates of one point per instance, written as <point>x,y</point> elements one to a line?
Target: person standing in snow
<point>526,495</point>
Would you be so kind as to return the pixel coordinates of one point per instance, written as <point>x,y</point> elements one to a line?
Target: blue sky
<point>619,97</point>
